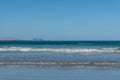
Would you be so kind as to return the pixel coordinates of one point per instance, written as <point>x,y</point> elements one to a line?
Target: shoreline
<point>67,64</point>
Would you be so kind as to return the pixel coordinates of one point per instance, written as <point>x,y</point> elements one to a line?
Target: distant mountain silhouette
<point>8,38</point>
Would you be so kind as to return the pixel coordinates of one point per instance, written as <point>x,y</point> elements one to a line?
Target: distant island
<point>38,39</point>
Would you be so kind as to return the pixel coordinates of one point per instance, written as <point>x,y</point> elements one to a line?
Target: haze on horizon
<point>60,19</point>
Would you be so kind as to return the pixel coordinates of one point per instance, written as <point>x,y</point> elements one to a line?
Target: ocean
<point>61,53</point>
<point>59,60</point>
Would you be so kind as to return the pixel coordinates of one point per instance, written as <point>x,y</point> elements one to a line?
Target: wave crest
<point>66,50</point>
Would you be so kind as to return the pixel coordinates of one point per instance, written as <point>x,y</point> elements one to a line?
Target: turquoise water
<point>104,52</point>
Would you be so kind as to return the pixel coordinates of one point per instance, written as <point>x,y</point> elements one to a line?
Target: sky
<point>60,19</point>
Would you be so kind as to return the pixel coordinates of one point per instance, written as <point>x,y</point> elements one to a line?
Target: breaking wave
<point>66,50</point>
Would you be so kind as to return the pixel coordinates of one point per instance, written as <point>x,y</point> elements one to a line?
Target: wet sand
<point>57,73</point>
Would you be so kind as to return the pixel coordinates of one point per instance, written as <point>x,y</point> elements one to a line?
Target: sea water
<point>61,53</point>
<point>59,60</point>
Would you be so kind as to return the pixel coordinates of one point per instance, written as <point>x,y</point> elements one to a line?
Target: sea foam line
<point>66,50</point>
<point>82,64</point>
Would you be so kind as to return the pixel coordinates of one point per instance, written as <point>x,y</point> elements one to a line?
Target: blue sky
<point>60,19</point>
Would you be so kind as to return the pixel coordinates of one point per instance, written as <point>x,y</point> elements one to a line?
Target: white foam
<point>66,50</point>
